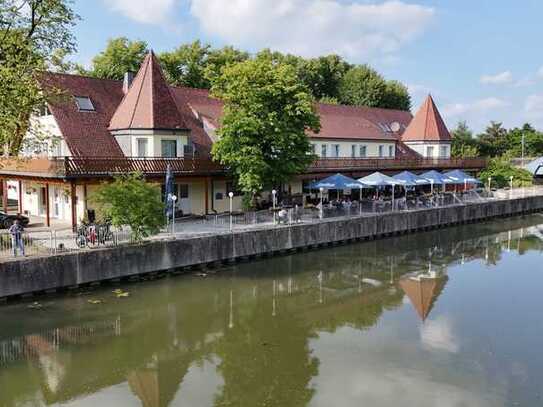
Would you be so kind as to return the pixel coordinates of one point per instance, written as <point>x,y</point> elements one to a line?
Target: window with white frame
<point>168,148</point>
<point>363,151</point>
<point>429,151</point>
<point>312,148</point>
<point>324,150</point>
<point>143,144</point>
<point>381,151</point>
<point>335,150</point>
<point>353,150</point>
<point>443,151</point>
<point>391,151</point>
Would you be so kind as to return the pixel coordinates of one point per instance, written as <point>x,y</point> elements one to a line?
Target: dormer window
<point>84,104</point>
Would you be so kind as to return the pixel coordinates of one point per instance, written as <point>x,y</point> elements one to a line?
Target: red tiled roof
<point>149,103</point>
<point>427,125</point>
<point>337,121</point>
<point>357,122</point>
<point>85,133</point>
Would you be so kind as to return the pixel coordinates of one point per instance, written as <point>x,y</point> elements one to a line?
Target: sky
<point>480,59</point>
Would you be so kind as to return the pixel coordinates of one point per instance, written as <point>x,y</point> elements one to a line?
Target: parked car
<point>6,220</point>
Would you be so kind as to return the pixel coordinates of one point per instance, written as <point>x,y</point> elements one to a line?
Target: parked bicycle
<point>92,235</point>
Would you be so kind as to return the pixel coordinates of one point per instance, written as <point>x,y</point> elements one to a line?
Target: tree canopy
<point>262,135</point>
<point>329,78</point>
<point>120,56</point>
<point>497,141</point>
<point>31,33</point>
<point>363,86</point>
<point>130,201</point>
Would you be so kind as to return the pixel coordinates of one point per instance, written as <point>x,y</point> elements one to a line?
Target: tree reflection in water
<point>252,324</point>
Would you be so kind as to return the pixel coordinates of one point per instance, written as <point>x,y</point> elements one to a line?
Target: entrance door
<point>42,203</point>
<point>184,198</point>
<point>57,201</point>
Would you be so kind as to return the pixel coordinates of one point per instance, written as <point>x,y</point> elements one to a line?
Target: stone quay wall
<point>43,274</point>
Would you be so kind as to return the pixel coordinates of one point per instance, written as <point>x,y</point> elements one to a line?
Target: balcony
<point>74,167</point>
<point>391,164</point>
<point>80,167</point>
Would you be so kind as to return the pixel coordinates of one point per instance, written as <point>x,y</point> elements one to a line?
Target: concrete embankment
<point>80,268</point>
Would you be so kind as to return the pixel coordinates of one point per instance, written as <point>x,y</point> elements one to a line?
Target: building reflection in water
<point>423,290</point>
<point>165,332</point>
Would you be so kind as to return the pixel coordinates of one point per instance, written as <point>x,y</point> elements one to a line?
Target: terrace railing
<point>93,166</point>
<point>107,166</point>
<point>377,164</point>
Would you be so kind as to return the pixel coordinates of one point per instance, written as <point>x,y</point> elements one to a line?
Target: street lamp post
<point>230,195</point>
<point>511,187</point>
<point>173,198</point>
<point>274,194</point>
<point>393,188</point>
<point>321,190</point>
<point>360,201</point>
<point>523,151</point>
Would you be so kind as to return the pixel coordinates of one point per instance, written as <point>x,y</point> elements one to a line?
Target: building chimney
<point>127,81</point>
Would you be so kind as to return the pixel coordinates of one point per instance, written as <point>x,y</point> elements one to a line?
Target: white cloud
<point>314,27</point>
<point>438,335</point>
<point>144,11</point>
<point>498,79</point>
<point>477,106</point>
<point>540,72</point>
<point>533,107</point>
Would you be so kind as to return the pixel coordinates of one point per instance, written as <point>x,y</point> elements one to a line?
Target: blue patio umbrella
<point>408,179</point>
<point>536,166</point>
<point>437,178</point>
<point>338,181</point>
<point>168,191</point>
<point>460,177</point>
<point>379,180</point>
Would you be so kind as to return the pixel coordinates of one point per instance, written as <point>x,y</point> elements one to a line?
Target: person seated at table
<point>283,216</point>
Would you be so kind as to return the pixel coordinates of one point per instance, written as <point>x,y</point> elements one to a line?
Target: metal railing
<point>54,242</point>
<point>44,243</point>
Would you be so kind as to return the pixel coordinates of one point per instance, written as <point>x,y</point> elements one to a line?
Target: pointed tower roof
<point>423,292</point>
<point>149,103</point>
<point>427,125</point>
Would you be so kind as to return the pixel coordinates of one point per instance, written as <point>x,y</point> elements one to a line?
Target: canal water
<point>445,318</point>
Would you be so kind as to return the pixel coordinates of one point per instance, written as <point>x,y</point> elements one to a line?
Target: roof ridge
<point>81,76</point>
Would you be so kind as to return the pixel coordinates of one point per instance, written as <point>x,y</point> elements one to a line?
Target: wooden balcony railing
<point>96,166</point>
<point>378,164</point>
<point>70,167</point>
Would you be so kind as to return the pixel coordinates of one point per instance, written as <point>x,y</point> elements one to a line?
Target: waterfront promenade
<point>173,253</point>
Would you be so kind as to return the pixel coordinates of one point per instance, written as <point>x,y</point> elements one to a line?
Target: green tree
<point>120,56</point>
<point>533,141</point>
<point>396,96</point>
<point>218,59</point>
<point>185,66</point>
<point>464,145</point>
<point>31,32</point>
<point>493,142</point>
<point>323,75</point>
<point>130,201</point>
<point>266,114</point>
<point>501,171</point>
<point>362,86</point>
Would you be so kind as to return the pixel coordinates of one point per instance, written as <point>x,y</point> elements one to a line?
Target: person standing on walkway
<point>16,232</point>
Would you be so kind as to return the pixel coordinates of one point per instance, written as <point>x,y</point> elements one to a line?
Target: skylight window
<point>84,103</point>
